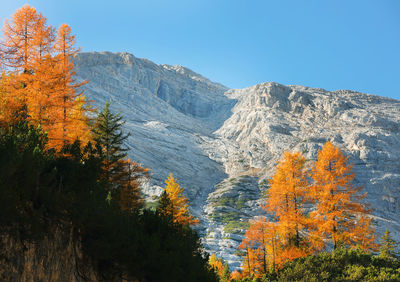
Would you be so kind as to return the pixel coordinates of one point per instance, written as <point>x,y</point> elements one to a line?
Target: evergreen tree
<point>122,177</point>
<point>225,277</point>
<point>108,135</point>
<point>388,246</point>
<point>164,207</point>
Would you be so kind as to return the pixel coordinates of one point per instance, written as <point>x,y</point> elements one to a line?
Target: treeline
<point>60,169</point>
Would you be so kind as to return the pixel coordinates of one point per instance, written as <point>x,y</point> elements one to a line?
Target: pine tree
<point>122,176</point>
<point>165,207</point>
<point>340,217</point>
<point>108,134</point>
<point>388,246</point>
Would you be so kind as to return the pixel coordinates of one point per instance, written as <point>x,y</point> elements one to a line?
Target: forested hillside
<point>65,180</point>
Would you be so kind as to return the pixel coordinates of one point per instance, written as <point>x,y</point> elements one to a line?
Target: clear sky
<point>341,44</point>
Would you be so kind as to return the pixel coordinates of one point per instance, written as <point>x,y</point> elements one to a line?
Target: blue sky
<point>339,44</point>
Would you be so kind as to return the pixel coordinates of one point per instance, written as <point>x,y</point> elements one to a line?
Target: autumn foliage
<point>285,200</point>
<point>268,245</point>
<point>216,264</point>
<point>61,172</point>
<point>37,82</point>
<point>174,204</point>
<point>37,86</point>
<point>309,208</point>
<point>262,248</point>
<point>129,192</point>
<point>338,219</point>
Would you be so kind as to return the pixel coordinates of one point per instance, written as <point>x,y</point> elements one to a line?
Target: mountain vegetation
<point>315,208</point>
<point>38,78</point>
<point>338,219</point>
<point>60,168</point>
<point>174,204</point>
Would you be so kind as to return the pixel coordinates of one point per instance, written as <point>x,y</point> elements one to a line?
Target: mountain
<point>222,144</point>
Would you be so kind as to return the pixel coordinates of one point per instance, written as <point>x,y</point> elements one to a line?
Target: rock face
<point>168,110</point>
<point>223,144</point>
<point>57,257</point>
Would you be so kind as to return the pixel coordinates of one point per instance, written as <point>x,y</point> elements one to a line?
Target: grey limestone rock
<point>222,144</point>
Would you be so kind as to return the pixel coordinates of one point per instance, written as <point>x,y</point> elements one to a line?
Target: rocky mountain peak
<point>222,144</point>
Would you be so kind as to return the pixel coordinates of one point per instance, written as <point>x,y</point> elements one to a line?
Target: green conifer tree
<point>122,177</point>
<point>165,207</point>
<point>225,277</point>
<point>388,246</point>
<point>109,137</point>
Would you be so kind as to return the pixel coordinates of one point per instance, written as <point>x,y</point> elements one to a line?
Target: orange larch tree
<point>79,126</point>
<point>19,51</point>
<point>250,264</point>
<point>69,112</point>
<point>273,245</point>
<point>236,275</point>
<point>19,36</point>
<point>285,200</point>
<point>134,174</point>
<point>216,264</point>
<point>262,247</point>
<point>11,106</point>
<point>40,83</point>
<point>254,253</point>
<point>177,205</point>
<point>42,75</point>
<point>340,217</point>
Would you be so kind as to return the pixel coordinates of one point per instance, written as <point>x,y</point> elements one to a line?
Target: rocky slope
<point>223,144</point>
<point>167,111</point>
